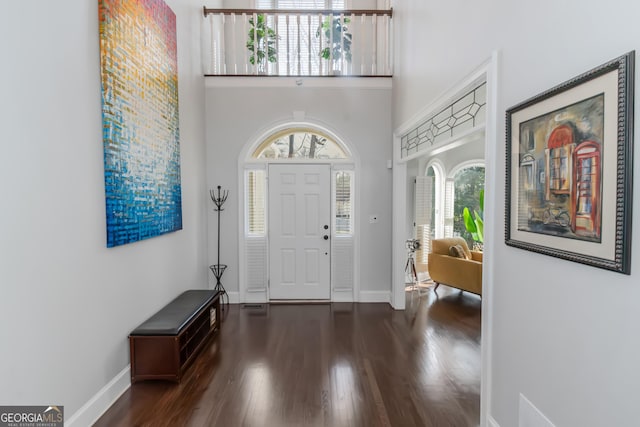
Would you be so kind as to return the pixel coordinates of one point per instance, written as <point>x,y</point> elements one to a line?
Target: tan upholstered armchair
<point>464,272</point>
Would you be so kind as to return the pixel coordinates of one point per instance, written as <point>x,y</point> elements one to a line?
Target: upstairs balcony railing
<point>278,42</point>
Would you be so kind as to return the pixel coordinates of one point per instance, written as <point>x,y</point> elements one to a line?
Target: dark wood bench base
<point>163,346</point>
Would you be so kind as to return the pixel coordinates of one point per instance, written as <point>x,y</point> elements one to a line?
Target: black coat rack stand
<point>218,269</point>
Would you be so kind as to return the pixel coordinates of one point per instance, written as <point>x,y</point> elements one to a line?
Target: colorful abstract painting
<point>140,119</point>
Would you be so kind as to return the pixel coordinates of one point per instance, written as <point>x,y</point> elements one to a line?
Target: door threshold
<point>299,301</point>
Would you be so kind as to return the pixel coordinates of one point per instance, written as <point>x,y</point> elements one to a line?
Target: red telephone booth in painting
<point>587,194</point>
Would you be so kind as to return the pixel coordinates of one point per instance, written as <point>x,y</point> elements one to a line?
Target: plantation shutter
<point>448,207</point>
<point>423,201</point>
<point>343,202</point>
<point>256,213</point>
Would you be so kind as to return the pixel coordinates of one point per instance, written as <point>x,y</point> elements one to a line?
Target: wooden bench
<point>164,345</point>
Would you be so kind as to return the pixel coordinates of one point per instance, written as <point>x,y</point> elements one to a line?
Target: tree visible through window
<point>467,185</point>
<point>300,144</point>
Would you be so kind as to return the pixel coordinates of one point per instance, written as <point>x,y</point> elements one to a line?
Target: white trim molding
<point>301,82</point>
<point>492,205</point>
<point>488,71</point>
<point>95,407</point>
<point>246,161</point>
<point>466,164</point>
<point>375,296</point>
<point>234,298</point>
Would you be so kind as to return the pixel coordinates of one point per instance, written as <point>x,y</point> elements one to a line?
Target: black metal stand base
<point>218,271</point>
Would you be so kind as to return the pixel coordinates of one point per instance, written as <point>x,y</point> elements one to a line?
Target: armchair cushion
<point>457,251</point>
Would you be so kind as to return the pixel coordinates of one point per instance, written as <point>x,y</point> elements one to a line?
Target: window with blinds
<point>449,194</point>
<point>300,4</point>
<point>298,47</point>
<point>255,189</point>
<point>423,215</point>
<point>343,185</point>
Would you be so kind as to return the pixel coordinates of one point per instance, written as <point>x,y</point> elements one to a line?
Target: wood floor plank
<point>326,365</point>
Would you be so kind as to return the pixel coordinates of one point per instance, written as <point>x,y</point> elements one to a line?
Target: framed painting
<point>139,82</point>
<point>569,169</point>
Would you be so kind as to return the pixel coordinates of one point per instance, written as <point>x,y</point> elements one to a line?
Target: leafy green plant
<point>475,224</point>
<point>337,49</point>
<point>261,43</point>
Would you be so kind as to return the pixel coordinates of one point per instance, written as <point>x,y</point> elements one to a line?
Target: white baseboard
<point>337,296</point>
<point>234,297</point>
<point>101,401</point>
<point>529,415</point>
<point>342,295</point>
<point>491,422</point>
<point>375,296</point>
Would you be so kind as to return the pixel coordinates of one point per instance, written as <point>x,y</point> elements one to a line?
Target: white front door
<point>299,231</point>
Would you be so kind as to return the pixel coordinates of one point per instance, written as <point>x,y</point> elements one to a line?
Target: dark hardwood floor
<point>338,364</point>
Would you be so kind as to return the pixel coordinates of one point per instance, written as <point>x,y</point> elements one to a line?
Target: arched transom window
<point>300,144</point>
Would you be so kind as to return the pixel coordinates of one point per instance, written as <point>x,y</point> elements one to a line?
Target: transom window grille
<point>300,144</point>
<point>463,114</point>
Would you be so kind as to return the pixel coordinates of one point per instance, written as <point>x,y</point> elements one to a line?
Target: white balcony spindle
<point>331,43</point>
<point>212,63</point>
<point>320,61</point>
<point>223,49</point>
<point>299,50</point>
<point>374,43</point>
<point>288,46</point>
<point>390,46</point>
<point>342,55</point>
<point>385,48</point>
<point>234,45</point>
<point>309,44</point>
<point>361,45</point>
<point>255,43</point>
<point>276,20</point>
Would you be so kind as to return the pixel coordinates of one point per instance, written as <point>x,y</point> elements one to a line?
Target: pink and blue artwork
<point>139,76</point>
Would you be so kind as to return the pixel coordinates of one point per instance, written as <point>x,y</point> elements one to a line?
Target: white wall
<point>68,302</point>
<point>239,115</point>
<point>565,335</point>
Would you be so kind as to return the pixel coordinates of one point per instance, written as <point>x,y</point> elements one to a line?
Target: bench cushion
<point>175,315</point>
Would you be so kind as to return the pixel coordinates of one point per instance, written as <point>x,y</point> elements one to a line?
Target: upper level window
<point>300,4</point>
<point>297,49</point>
<point>300,144</point>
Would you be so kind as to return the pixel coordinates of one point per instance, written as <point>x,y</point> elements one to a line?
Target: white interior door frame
<point>252,276</point>
<point>490,69</point>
